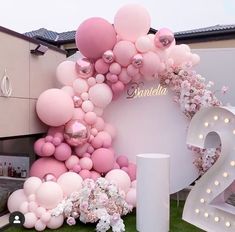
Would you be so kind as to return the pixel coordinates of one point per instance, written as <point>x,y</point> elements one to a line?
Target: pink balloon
<point>124,77</point>
<point>112,77</point>
<point>49,138</point>
<point>151,64</point>
<point>56,141</point>
<point>95,175</point>
<point>63,152</point>
<point>15,200</point>
<point>43,166</point>
<point>121,178</point>
<point>116,166</point>
<point>31,185</point>
<point>38,146</point>
<point>100,95</point>
<point>49,195</point>
<point>86,163</point>
<point>115,68</point>
<point>180,54</point>
<point>24,207</point>
<point>118,87</point>
<point>33,206</point>
<point>132,21</point>
<point>70,182</point>
<point>80,150</point>
<point>164,38</point>
<point>30,220</point>
<point>99,125</point>
<point>48,149</point>
<point>137,61</point>
<point>56,131</point>
<point>97,142</point>
<point>40,226</point>
<point>101,66</point>
<point>103,160</point>
<point>106,138</point>
<point>54,107</point>
<point>131,197</point>
<point>76,168</point>
<point>76,132</point>
<point>68,89</point>
<point>85,174</point>
<point>122,161</point>
<point>195,59</point>
<point>78,114</point>
<point>108,57</point>
<point>90,118</point>
<point>45,217</point>
<point>55,222</point>
<point>66,72</point>
<point>40,211</point>
<point>94,37</point>
<point>72,161</point>
<point>87,106</point>
<point>84,68</point>
<point>80,86</point>
<point>132,171</point>
<point>143,44</point>
<point>124,51</point>
<point>132,70</point>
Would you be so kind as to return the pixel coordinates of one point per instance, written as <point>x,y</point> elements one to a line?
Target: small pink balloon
<point>78,114</point>
<point>24,207</point>
<point>122,161</point>
<point>143,44</point>
<point>77,101</point>
<point>31,185</point>
<point>106,138</point>
<point>56,141</point>
<point>72,161</point>
<point>103,160</point>
<point>118,87</point>
<point>84,68</point>
<point>63,152</point>
<point>87,154</point>
<point>99,78</point>
<point>85,174</point>
<point>112,77</point>
<point>90,118</point>
<point>137,61</point>
<point>30,220</point>
<point>131,197</point>
<point>97,142</point>
<point>99,125</point>
<point>40,226</point>
<point>87,106</point>
<point>49,138</point>
<point>48,149</point>
<point>76,132</point>
<point>164,38</point>
<point>86,163</point>
<point>116,166</point>
<point>91,81</point>
<point>77,168</point>
<point>46,217</point>
<point>33,206</point>
<point>101,66</point>
<point>124,77</point>
<point>80,150</point>
<point>124,51</point>
<point>115,68</point>
<point>95,175</point>
<point>132,171</point>
<point>132,70</point>
<point>108,57</point>
<point>40,211</point>
<point>38,146</point>
<point>90,149</point>
<point>56,131</point>
<point>49,177</point>
<point>80,86</point>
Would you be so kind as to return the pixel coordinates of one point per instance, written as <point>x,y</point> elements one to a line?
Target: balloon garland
<point>77,151</point>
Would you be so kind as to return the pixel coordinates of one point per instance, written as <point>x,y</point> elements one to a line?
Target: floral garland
<point>192,93</point>
<point>98,201</point>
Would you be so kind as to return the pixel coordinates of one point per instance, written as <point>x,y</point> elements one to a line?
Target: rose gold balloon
<point>49,177</point>
<point>76,132</point>
<point>108,57</point>
<point>77,101</point>
<point>137,61</point>
<point>84,68</point>
<point>164,38</point>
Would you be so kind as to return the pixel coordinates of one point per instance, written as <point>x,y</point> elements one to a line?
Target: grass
<point>176,223</point>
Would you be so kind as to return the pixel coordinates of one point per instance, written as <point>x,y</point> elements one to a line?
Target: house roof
<point>216,32</point>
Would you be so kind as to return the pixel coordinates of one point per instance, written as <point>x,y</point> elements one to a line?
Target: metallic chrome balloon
<point>77,101</point>
<point>85,68</point>
<point>164,38</point>
<point>76,132</point>
<point>49,177</point>
<point>108,57</point>
<point>137,61</point>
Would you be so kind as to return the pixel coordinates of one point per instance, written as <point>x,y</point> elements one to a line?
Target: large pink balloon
<point>70,182</point>
<point>94,37</point>
<point>66,72</point>
<point>124,51</point>
<point>49,195</point>
<point>121,178</point>
<point>132,21</point>
<point>44,166</point>
<point>30,220</point>
<point>15,200</point>
<point>151,64</point>
<point>31,185</point>
<point>55,107</point>
<point>103,160</point>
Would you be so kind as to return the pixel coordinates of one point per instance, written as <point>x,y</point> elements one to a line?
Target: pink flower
<point>224,89</point>
<point>84,205</point>
<point>71,221</point>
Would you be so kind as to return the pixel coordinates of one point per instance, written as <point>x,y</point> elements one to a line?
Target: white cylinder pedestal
<point>153,192</point>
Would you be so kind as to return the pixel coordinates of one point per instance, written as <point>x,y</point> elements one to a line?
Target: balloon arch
<point>78,174</point>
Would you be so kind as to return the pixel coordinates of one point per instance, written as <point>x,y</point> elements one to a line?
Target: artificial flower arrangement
<point>100,202</point>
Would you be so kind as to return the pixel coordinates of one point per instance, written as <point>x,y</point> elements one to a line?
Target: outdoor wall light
<point>40,50</point>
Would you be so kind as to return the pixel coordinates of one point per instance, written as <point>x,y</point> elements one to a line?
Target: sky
<point>66,15</point>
